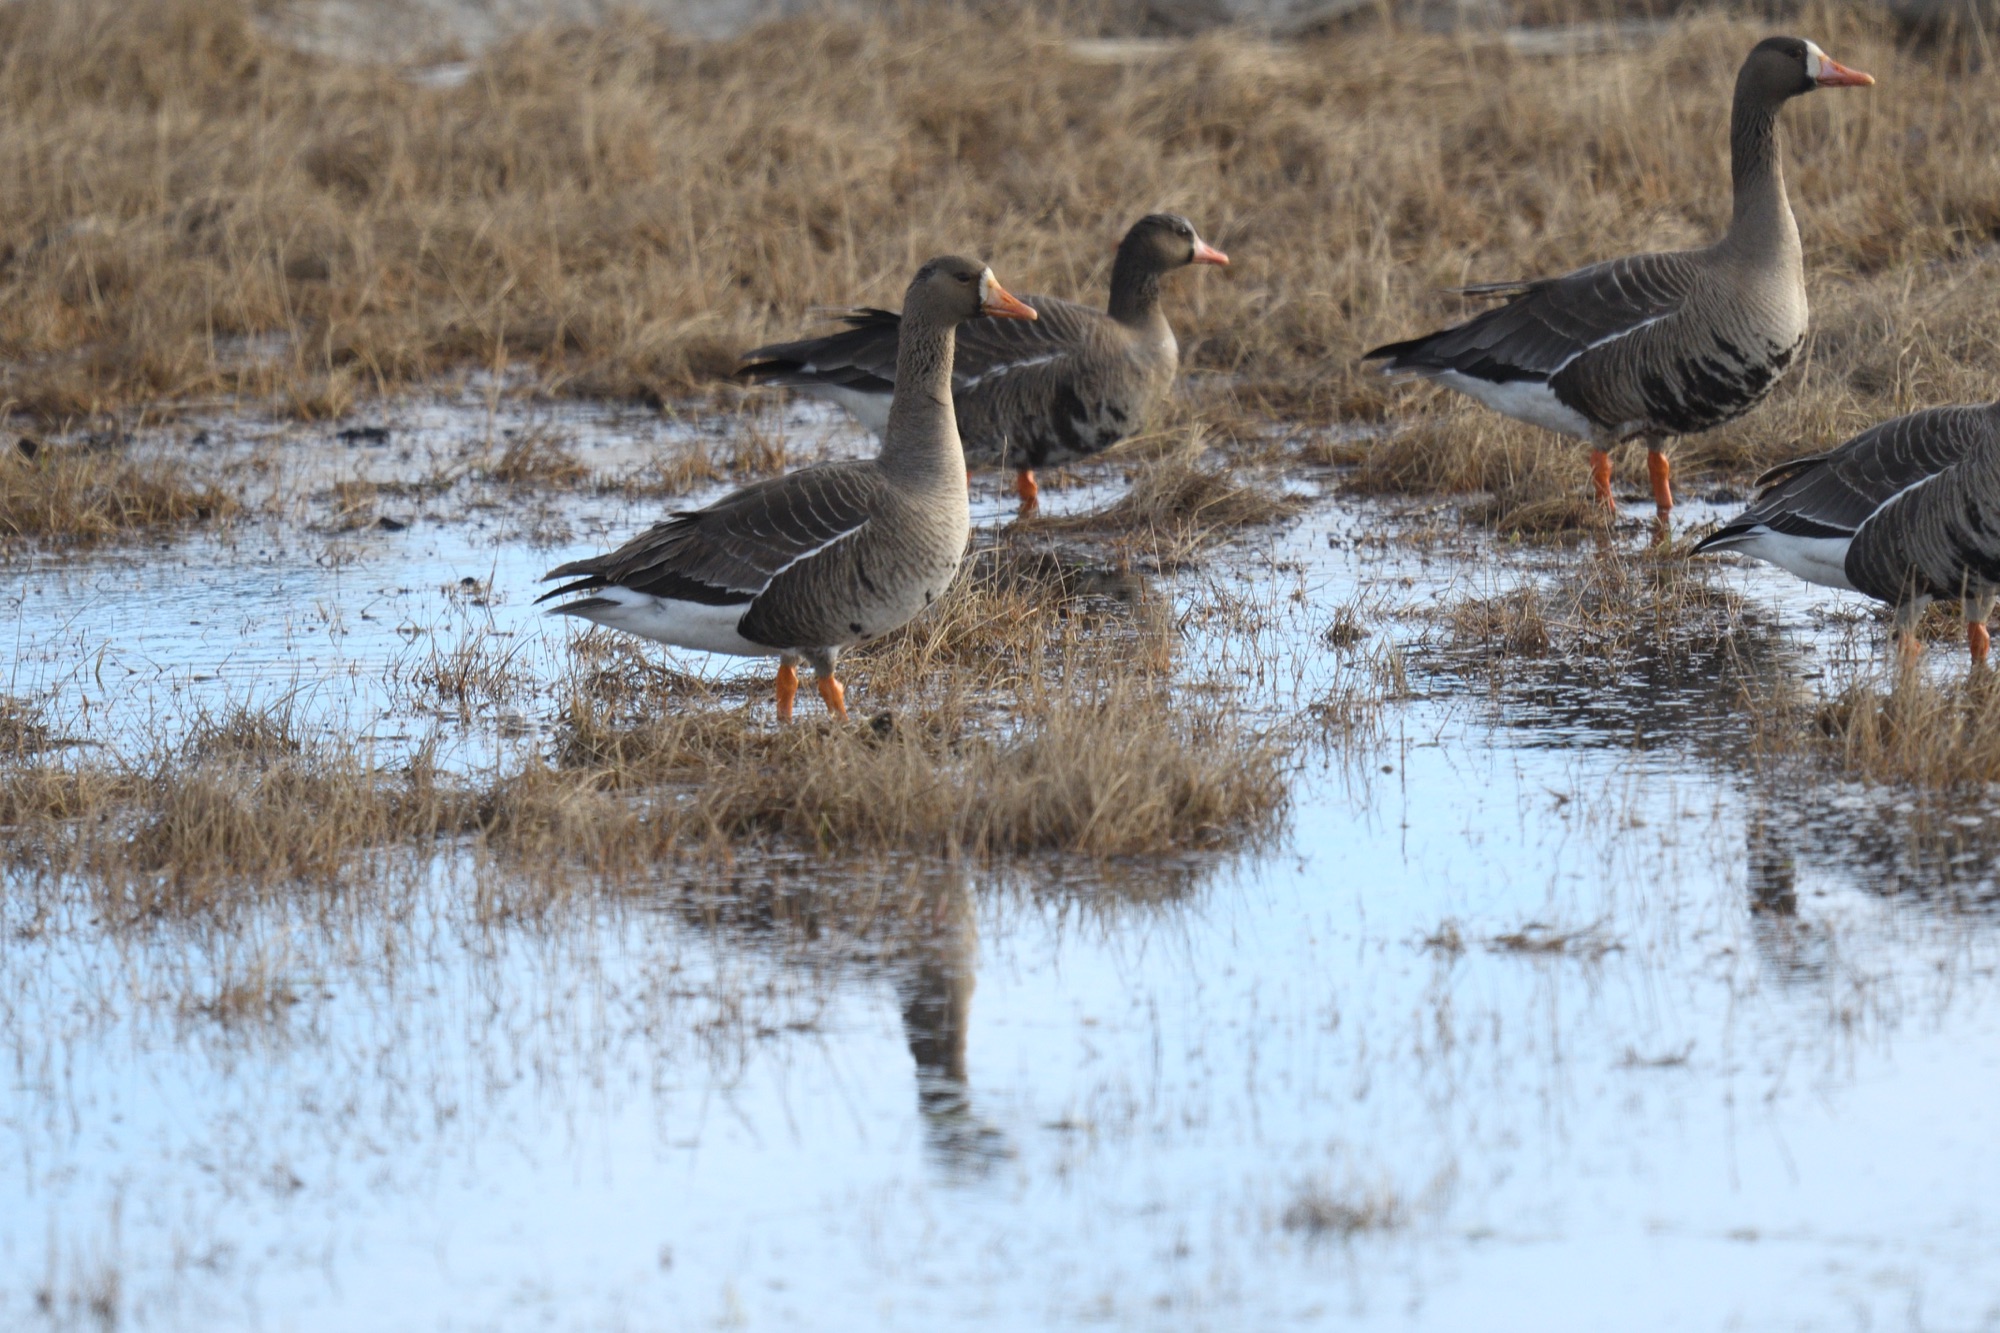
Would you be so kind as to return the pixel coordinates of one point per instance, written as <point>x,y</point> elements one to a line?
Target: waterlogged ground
<point>1551,1010</point>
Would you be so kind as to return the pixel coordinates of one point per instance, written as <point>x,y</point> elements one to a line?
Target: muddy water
<point>1349,1082</point>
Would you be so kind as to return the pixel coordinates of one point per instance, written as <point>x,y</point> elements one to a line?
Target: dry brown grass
<point>538,460</point>
<point>1113,772</point>
<point>1187,495</point>
<point>621,210</point>
<point>1533,485</point>
<point>1537,939</point>
<point>1901,729</point>
<point>23,729</point>
<point>1321,1212</point>
<point>80,495</point>
<point>1601,606</point>
<point>1107,772</point>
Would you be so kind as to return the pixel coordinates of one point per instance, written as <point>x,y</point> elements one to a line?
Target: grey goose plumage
<point>803,566</point>
<point>1066,387</point>
<point>1906,512</point>
<point>1657,345</point>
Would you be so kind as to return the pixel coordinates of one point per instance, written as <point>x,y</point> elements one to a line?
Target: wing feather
<point>1833,494</point>
<point>1551,322</point>
<point>729,553</point>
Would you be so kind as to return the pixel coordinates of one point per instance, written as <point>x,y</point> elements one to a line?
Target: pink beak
<point>1204,253</point>
<point>1833,74</point>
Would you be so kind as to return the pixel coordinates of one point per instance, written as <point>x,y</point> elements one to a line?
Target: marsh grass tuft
<point>77,495</point>
<point>1533,484</point>
<point>1184,497</point>
<point>1117,772</point>
<point>535,459</point>
<point>1323,1213</point>
<point>1535,938</point>
<point>1897,727</point>
<point>24,729</point>
<point>1602,604</point>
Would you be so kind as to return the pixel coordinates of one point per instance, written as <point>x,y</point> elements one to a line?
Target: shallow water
<point>1314,1087</point>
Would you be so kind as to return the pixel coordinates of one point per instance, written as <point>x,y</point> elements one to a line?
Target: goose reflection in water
<point>934,983</point>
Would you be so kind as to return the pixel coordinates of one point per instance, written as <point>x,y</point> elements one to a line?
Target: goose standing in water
<point>1658,345</point>
<point>1906,512</point>
<point>1067,387</point>
<point>802,566</point>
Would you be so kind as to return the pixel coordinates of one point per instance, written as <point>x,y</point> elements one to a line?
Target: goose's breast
<point>894,581</point>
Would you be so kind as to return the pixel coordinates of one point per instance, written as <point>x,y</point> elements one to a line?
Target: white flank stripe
<point>972,382</point>
<point>1897,496</point>
<point>807,555</point>
<point>1610,338</point>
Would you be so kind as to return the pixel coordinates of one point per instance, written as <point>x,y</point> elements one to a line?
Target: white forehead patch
<point>985,286</point>
<point>1815,61</point>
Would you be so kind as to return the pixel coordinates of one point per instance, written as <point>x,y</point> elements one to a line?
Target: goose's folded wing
<point>861,356</point>
<point>1553,321</point>
<point>1834,493</point>
<point>1839,491</point>
<point>992,349</point>
<point>728,553</point>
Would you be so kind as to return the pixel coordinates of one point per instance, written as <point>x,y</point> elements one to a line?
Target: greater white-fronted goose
<point>1906,512</point>
<point>802,566</point>
<point>1658,345</point>
<point>1066,387</point>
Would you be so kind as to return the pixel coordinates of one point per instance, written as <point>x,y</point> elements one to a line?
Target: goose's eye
<point>965,277</point>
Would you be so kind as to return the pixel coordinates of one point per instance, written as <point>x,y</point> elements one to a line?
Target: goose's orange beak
<point>998,301</point>
<point>1204,253</point>
<point>1833,74</point>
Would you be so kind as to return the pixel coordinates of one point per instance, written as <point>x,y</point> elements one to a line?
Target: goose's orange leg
<point>1659,469</point>
<point>1031,494</point>
<point>836,698</point>
<point>788,690</point>
<point>1600,478</point>
<point>1980,641</point>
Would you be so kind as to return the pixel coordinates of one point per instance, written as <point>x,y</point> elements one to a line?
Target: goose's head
<point>1168,241</point>
<point>1784,67</point>
<point>952,289</point>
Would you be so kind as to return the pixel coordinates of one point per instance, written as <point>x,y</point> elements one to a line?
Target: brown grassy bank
<point>194,208</point>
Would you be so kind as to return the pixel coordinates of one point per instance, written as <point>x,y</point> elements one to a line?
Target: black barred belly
<point>1073,429</point>
<point>1699,392</point>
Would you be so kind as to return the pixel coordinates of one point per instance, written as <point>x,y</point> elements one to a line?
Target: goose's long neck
<point>1135,289</point>
<point>1761,225</point>
<point>921,442</point>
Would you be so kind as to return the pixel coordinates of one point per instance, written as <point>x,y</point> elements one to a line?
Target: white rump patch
<point>1532,401</point>
<point>707,629</point>
<point>1821,560</point>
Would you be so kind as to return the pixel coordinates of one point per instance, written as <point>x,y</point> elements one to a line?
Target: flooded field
<point>1555,1000</point>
